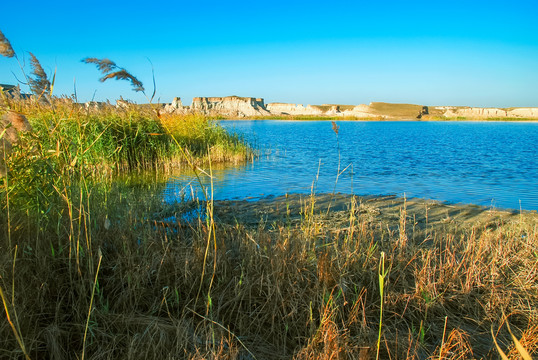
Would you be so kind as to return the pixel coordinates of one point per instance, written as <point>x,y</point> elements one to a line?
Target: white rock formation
<point>241,107</point>
<point>486,113</point>
<point>123,104</point>
<point>359,111</point>
<point>523,112</point>
<point>292,109</point>
<point>176,107</point>
<point>230,106</point>
<point>334,110</point>
<point>94,105</point>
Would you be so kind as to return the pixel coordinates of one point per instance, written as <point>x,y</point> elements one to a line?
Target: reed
<point>277,290</point>
<point>97,268</point>
<point>111,70</point>
<point>300,286</point>
<point>5,46</point>
<point>39,83</point>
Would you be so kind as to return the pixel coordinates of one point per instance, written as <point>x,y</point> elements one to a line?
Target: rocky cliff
<point>229,106</point>
<point>487,113</point>
<point>241,107</point>
<point>248,107</point>
<point>292,109</point>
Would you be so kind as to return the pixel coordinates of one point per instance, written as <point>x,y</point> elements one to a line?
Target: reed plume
<point>39,84</point>
<point>5,46</point>
<point>335,127</point>
<point>110,70</point>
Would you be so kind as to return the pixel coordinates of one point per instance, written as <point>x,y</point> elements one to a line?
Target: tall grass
<point>132,138</point>
<point>71,149</point>
<point>60,203</point>
<point>306,289</point>
<point>93,268</point>
<point>99,269</point>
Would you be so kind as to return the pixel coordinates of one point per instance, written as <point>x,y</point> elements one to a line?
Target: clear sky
<point>475,53</point>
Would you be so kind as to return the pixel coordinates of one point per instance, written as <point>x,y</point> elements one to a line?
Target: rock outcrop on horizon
<point>249,107</point>
<point>292,109</point>
<point>229,106</point>
<point>485,113</point>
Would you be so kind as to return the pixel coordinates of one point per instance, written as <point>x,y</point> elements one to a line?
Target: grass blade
<point>520,349</point>
<point>501,353</point>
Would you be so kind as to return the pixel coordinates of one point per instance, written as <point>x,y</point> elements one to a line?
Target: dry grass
<point>93,268</point>
<point>277,289</point>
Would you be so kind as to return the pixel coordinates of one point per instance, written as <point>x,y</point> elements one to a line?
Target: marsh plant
<point>38,83</point>
<point>5,46</point>
<point>99,269</point>
<point>111,70</point>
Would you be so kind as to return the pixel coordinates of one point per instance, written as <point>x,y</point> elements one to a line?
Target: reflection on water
<point>485,163</point>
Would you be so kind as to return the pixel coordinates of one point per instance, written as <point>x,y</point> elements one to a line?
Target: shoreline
<point>511,120</point>
<point>335,209</point>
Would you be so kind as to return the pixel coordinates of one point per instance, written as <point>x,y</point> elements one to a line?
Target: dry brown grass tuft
<point>528,340</point>
<point>456,346</point>
<point>11,125</point>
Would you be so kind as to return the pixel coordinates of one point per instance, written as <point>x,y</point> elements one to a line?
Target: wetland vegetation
<point>101,269</point>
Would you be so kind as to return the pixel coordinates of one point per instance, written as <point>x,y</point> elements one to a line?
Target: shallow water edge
<point>338,210</point>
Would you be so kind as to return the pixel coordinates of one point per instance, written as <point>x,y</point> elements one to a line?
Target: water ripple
<point>485,163</point>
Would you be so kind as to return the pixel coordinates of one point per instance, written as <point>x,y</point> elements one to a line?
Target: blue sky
<point>475,53</point>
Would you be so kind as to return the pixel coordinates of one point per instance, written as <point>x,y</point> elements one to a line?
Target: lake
<point>484,163</point>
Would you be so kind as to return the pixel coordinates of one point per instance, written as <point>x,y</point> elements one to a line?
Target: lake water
<point>484,163</point>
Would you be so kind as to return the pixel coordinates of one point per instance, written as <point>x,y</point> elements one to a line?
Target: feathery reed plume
<point>335,127</point>
<point>5,46</point>
<point>110,70</point>
<point>39,84</point>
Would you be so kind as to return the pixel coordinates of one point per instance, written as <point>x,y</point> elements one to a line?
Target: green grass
<point>71,150</point>
<point>133,138</point>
